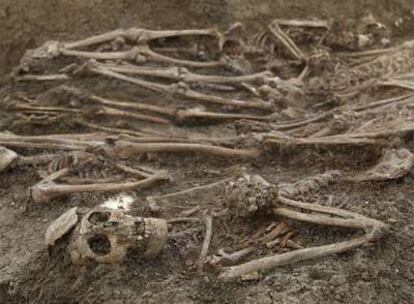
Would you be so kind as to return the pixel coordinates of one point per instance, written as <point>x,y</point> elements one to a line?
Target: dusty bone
<point>94,39</point>
<point>138,35</point>
<point>309,184</point>
<point>139,172</point>
<point>61,226</point>
<point>143,36</point>
<point>208,221</point>
<point>106,235</point>
<point>55,175</point>
<point>183,74</point>
<point>383,102</point>
<point>47,142</point>
<point>190,191</point>
<point>124,149</point>
<point>373,231</point>
<point>404,84</point>
<point>267,263</point>
<point>286,41</point>
<point>286,140</point>
<point>49,77</point>
<point>181,89</point>
<point>102,110</point>
<point>137,54</point>
<point>45,192</point>
<point>223,258</point>
<point>138,116</point>
<point>7,157</point>
<point>192,114</point>
<point>304,23</point>
<point>134,105</point>
<point>393,164</point>
<point>141,133</point>
<point>329,216</point>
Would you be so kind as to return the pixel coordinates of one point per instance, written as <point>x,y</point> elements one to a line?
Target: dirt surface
<point>380,272</point>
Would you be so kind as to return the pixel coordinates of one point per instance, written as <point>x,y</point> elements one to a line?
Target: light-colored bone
<point>224,258</point>
<point>7,157</point>
<point>286,40</point>
<point>119,233</point>
<point>182,74</point>
<point>139,54</point>
<point>193,114</point>
<point>393,164</point>
<point>208,221</point>
<point>49,77</point>
<point>304,23</point>
<point>124,149</point>
<point>47,142</point>
<point>45,192</point>
<point>181,90</point>
<point>61,226</point>
<point>315,214</point>
<point>138,35</point>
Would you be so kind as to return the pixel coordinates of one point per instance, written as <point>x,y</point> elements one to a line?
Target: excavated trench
<point>382,272</point>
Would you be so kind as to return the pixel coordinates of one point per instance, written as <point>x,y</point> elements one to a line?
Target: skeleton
<point>317,214</point>
<point>52,49</point>
<point>383,70</point>
<point>378,137</point>
<point>106,236</point>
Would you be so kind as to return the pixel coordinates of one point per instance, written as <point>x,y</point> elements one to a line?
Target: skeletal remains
<point>106,236</point>
<point>222,79</point>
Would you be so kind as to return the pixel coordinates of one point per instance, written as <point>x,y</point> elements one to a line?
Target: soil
<point>382,272</point>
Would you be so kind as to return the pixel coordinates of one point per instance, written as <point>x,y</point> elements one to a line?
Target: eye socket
<point>99,217</point>
<point>99,244</point>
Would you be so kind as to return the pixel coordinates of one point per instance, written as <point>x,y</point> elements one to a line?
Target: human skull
<point>105,236</point>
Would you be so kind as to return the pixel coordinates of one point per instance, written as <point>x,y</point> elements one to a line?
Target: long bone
<point>193,114</point>
<point>46,191</point>
<point>139,36</point>
<point>181,90</point>
<point>48,142</point>
<point>286,40</point>
<point>103,110</point>
<point>183,74</point>
<point>373,230</point>
<point>125,149</point>
<point>138,54</point>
